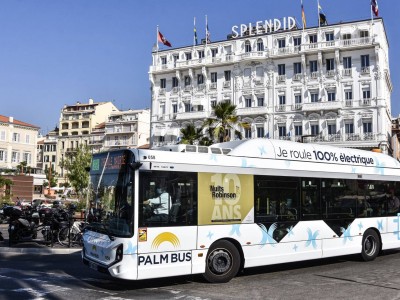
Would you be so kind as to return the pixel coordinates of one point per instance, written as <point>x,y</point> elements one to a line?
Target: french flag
<point>374,7</point>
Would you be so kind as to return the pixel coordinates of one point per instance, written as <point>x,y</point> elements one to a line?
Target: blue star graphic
<point>131,249</point>
<point>262,150</point>
<point>380,225</point>
<point>346,234</point>
<point>397,220</point>
<point>290,231</point>
<point>379,167</point>
<point>210,235</point>
<point>235,229</point>
<point>360,225</point>
<point>267,235</point>
<point>295,248</point>
<point>244,163</point>
<point>213,157</point>
<point>312,238</point>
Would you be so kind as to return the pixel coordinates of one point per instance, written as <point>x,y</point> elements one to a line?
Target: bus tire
<point>371,245</point>
<point>222,262</point>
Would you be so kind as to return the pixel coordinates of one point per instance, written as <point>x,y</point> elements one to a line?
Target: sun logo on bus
<point>165,237</point>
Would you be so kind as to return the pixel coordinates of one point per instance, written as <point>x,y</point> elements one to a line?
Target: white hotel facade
<point>327,84</point>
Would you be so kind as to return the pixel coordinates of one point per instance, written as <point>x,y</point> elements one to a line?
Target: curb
<point>41,251</point>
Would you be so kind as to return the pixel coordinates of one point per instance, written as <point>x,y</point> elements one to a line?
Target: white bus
<point>258,202</point>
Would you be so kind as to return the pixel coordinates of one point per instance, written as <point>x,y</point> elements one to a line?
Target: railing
<point>281,107</point>
<point>365,70</point>
<point>346,72</point>
<point>330,73</point>
<point>365,102</point>
<point>213,85</point>
<point>227,84</point>
<point>267,53</point>
<point>314,75</point>
<point>281,78</point>
<point>297,77</point>
<point>297,106</point>
<point>348,103</point>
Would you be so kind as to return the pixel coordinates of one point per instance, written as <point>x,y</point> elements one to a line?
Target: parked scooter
<point>22,227</point>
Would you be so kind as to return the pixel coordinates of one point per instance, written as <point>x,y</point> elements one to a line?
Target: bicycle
<point>71,235</point>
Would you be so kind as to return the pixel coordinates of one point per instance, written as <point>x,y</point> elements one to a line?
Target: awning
<point>172,132</point>
<point>159,131</point>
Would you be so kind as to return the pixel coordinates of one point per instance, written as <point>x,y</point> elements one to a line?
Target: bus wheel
<point>223,262</point>
<point>371,245</point>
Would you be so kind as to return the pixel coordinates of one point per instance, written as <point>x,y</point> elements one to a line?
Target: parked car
<point>41,203</point>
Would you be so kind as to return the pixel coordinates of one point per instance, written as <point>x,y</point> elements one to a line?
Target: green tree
<point>51,176</point>
<point>191,134</point>
<point>76,165</point>
<point>224,121</point>
<point>5,196</point>
<point>21,167</point>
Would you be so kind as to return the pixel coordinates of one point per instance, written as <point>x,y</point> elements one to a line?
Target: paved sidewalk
<point>32,247</point>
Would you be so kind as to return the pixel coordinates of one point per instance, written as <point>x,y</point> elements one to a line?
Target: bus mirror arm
<point>135,165</point>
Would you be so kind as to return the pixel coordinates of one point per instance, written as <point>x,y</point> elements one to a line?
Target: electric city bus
<point>237,205</point>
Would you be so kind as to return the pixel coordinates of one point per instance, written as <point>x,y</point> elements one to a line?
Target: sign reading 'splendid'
<point>225,198</point>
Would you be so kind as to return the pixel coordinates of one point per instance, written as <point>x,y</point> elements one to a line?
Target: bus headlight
<point>120,253</point>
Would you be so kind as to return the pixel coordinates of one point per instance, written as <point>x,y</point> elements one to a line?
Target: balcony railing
<point>346,72</point>
<point>297,77</point>
<point>365,71</point>
<point>330,73</point>
<point>267,53</point>
<point>281,78</point>
<point>227,84</point>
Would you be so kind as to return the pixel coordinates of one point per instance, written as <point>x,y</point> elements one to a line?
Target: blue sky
<point>56,52</point>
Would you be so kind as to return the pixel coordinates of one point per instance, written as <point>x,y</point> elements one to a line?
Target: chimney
<point>90,101</point>
<point>11,119</point>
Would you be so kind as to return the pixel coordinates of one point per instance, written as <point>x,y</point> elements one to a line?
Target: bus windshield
<point>111,194</point>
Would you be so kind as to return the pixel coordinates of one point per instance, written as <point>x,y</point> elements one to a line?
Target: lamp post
<point>48,192</point>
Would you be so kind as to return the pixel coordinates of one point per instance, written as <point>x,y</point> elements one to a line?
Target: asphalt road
<point>62,276</point>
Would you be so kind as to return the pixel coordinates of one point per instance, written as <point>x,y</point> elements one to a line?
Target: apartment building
<point>328,84</point>
<point>17,143</point>
<point>129,128</point>
<point>76,125</point>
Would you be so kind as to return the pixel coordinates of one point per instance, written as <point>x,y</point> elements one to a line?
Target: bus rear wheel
<point>371,245</point>
<point>223,262</point>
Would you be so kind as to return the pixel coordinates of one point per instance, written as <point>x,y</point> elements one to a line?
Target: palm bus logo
<point>165,237</point>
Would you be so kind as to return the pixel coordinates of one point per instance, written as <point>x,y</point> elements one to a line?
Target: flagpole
<point>206,30</point>
<point>372,14</point>
<point>319,23</point>
<point>302,15</point>
<point>157,46</point>
<point>194,35</point>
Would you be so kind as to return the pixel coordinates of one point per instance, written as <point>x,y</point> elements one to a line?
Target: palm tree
<point>190,134</point>
<point>224,121</point>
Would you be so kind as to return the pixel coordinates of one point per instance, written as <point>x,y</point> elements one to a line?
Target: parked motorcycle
<point>22,226</point>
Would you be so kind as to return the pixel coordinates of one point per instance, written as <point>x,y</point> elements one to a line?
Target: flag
<point>195,32</point>
<point>163,40</point>
<point>207,32</point>
<point>303,15</point>
<point>322,17</point>
<point>374,7</point>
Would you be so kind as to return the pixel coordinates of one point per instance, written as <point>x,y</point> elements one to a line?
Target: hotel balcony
<point>325,105</point>
<point>252,110</point>
<point>192,115</point>
<point>223,59</point>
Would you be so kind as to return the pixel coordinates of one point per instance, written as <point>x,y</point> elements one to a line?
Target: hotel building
<point>328,84</point>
